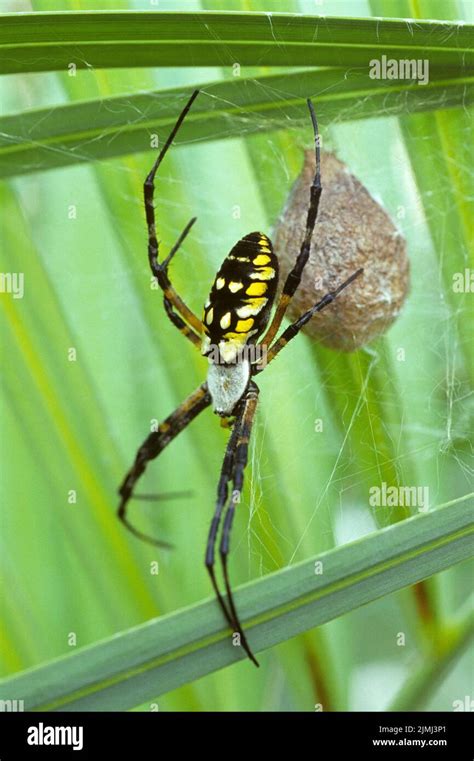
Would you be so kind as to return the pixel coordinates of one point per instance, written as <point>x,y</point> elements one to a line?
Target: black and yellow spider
<point>235,316</point>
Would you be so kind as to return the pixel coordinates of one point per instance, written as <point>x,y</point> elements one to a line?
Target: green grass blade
<point>162,654</point>
<point>100,128</point>
<point>51,41</point>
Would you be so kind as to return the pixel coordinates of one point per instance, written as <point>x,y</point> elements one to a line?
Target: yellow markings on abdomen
<point>251,308</point>
<point>256,289</point>
<point>264,273</point>
<point>225,320</point>
<point>243,326</point>
<point>243,290</point>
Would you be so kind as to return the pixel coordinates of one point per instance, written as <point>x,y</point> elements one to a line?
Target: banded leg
<point>222,493</point>
<point>160,270</point>
<point>232,469</point>
<point>294,277</point>
<point>295,328</point>
<point>153,446</point>
<point>240,462</point>
<point>181,325</point>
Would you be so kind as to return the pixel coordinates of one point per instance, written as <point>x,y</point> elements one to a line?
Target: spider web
<point>439,386</point>
<point>305,491</point>
<point>393,184</point>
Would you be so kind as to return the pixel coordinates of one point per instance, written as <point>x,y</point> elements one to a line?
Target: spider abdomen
<point>241,298</point>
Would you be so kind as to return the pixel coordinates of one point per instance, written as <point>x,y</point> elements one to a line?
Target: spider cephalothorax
<point>236,317</point>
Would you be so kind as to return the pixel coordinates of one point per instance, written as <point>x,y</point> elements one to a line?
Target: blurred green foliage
<point>79,236</point>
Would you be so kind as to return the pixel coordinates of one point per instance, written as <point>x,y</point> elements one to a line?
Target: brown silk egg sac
<point>352,231</point>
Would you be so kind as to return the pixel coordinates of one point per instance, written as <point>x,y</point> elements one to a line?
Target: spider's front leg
<point>294,277</point>
<point>178,312</point>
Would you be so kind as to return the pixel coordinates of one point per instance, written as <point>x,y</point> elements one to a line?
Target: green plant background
<point>70,568</point>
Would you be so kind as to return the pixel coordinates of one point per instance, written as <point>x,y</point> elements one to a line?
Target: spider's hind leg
<point>222,493</point>
<point>153,446</point>
<point>240,462</point>
<point>233,467</point>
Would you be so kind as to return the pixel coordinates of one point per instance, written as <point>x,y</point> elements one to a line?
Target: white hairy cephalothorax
<point>227,383</point>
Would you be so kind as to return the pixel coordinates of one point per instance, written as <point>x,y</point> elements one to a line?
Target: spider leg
<point>160,270</point>
<point>234,451</point>
<point>294,277</point>
<point>295,328</point>
<point>181,325</point>
<point>240,462</point>
<point>222,492</point>
<point>163,496</point>
<point>153,446</point>
<point>171,298</point>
